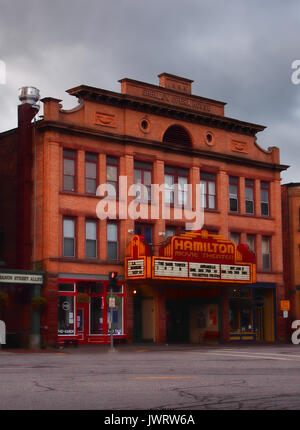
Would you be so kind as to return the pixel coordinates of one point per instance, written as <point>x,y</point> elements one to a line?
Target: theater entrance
<point>193,320</point>
<point>177,321</point>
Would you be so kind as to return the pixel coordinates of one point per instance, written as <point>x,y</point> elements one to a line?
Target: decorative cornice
<point>101,96</point>
<point>132,140</point>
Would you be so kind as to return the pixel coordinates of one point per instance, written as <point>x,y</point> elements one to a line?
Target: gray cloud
<point>236,51</point>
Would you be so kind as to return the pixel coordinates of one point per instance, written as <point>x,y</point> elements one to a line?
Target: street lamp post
<point>113,279</point>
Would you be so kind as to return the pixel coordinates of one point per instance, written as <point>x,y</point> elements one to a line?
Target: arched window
<point>177,135</point>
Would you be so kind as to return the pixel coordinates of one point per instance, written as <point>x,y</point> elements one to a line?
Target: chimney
<point>29,107</point>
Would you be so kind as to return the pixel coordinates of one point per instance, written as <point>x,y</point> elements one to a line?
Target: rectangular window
<point>90,173</point>
<point>66,288</point>
<point>65,309</point>
<point>69,168</point>
<point>208,190</point>
<point>233,194</point>
<point>68,237</point>
<point>112,241</point>
<point>145,230</point>
<point>169,232</point>
<point>250,240</point>
<point>112,174</point>
<point>91,239</point>
<point>143,180</point>
<point>172,230</point>
<point>249,196</point>
<point>176,181</point>
<point>266,256</point>
<point>265,198</point>
<point>235,237</point>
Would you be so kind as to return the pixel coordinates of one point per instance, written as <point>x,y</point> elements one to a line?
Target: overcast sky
<point>237,51</point>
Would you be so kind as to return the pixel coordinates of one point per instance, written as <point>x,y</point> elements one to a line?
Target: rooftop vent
<point>29,95</point>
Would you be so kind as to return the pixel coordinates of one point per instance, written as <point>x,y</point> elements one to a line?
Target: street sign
<point>112,302</point>
<point>284,305</point>
<point>285,314</point>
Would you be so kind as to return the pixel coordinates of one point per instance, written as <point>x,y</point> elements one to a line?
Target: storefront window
<point>117,319</point>
<point>87,315</point>
<point>241,310</point>
<point>66,288</point>
<point>234,317</point>
<point>96,315</point>
<point>246,317</point>
<point>66,315</point>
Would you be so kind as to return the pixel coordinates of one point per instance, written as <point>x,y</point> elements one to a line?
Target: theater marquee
<point>194,256</point>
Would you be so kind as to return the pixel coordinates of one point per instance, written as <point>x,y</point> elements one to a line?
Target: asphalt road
<point>152,377</point>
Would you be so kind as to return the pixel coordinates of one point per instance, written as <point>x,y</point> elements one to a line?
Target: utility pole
<point>113,279</point>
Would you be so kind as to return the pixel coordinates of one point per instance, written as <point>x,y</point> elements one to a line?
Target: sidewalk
<point>136,347</point>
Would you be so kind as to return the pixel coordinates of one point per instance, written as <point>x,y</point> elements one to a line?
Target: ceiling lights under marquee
<point>191,256</point>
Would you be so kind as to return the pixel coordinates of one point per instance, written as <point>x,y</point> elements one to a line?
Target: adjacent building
<point>291,247</point>
<point>221,283</point>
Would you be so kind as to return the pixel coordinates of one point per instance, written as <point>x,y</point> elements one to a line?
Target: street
<point>152,377</point>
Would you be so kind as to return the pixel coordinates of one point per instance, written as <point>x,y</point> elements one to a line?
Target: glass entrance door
<point>241,315</point>
<point>82,321</point>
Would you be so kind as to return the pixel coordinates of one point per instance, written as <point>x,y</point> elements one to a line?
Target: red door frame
<point>86,337</point>
<point>82,335</point>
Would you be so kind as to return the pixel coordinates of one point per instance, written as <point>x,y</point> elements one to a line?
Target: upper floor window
<point>69,237</point>
<point>69,168</point>
<point>143,180</point>
<point>208,190</point>
<point>91,239</point>
<point>265,198</point>
<point>144,229</point>
<point>250,240</point>
<point>176,181</point>
<point>235,237</point>
<point>172,230</point>
<point>112,241</point>
<point>177,135</point>
<point>112,173</point>
<point>90,173</point>
<point>233,194</point>
<point>266,256</point>
<point>249,196</point>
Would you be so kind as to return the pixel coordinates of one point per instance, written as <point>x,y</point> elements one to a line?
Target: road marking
<point>164,377</point>
<point>142,350</point>
<point>264,357</point>
<point>259,353</point>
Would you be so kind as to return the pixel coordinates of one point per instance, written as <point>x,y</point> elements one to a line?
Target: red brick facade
<point>131,126</point>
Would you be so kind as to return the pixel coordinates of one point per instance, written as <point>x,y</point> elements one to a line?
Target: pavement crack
<point>43,386</point>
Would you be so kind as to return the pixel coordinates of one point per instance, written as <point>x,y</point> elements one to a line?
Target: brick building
<point>19,283</point>
<point>291,247</point>
<point>152,134</point>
